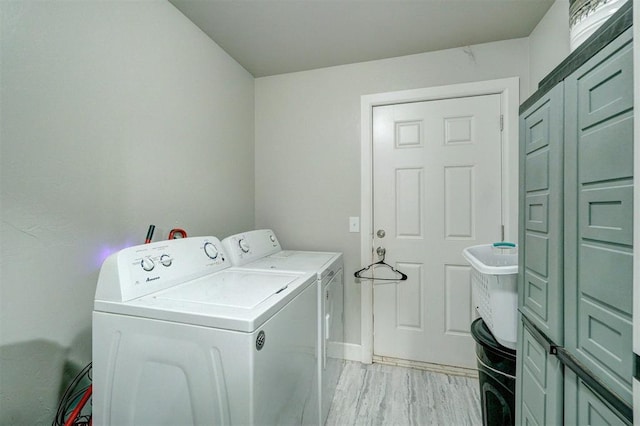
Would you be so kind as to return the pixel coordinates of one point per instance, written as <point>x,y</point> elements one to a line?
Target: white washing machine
<point>260,251</point>
<point>182,338</point>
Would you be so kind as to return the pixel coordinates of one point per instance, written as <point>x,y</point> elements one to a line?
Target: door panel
<point>437,190</point>
<point>409,203</point>
<point>409,306</point>
<point>458,202</point>
<point>457,294</point>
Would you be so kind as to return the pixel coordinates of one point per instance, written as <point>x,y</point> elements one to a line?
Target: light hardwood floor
<point>380,394</point>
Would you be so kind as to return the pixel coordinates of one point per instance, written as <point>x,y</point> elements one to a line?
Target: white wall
<point>308,143</point>
<point>549,43</point>
<point>115,115</point>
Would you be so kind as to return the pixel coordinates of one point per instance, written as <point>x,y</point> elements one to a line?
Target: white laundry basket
<point>494,288</point>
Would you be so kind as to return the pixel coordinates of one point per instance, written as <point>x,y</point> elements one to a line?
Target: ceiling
<point>269,37</point>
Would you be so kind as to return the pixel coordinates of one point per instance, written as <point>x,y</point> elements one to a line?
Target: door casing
<point>508,89</point>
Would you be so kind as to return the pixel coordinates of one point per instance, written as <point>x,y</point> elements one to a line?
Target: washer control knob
<point>210,250</point>
<point>244,245</point>
<point>166,260</point>
<point>147,264</point>
<point>272,238</point>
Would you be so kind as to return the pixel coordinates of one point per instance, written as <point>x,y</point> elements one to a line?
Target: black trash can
<point>497,374</point>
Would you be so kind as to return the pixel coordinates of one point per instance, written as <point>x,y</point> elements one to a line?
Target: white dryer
<point>260,250</point>
<point>182,338</point>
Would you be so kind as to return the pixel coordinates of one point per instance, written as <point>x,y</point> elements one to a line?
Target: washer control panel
<point>249,246</point>
<point>141,270</point>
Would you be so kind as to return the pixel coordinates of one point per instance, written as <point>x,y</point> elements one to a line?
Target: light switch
<point>354,224</point>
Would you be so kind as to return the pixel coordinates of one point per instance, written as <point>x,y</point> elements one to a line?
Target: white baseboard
<point>353,352</point>
<point>348,351</point>
<point>437,368</point>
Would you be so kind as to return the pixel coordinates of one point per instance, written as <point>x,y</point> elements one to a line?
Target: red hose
<point>76,411</point>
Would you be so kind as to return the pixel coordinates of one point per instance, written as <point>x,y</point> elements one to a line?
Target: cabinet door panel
<point>603,276</point>
<point>583,407</point>
<point>603,153</point>
<point>537,213</point>
<point>607,215</point>
<point>604,89</point>
<point>604,339</point>
<point>537,254</point>
<point>599,215</point>
<point>537,171</point>
<point>537,128</point>
<point>538,383</point>
<point>535,295</point>
<point>540,279</point>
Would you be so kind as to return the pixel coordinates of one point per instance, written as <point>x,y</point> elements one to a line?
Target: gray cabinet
<point>576,246</point>
<point>541,184</point>
<point>599,215</point>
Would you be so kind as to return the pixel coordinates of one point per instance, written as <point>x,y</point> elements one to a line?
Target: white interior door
<point>437,189</point>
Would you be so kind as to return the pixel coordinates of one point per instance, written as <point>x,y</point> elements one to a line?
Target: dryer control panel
<point>249,246</point>
<point>141,270</point>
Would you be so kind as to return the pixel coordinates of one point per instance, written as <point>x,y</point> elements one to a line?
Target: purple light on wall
<point>105,251</point>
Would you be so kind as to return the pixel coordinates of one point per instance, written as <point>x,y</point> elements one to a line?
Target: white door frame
<point>508,89</point>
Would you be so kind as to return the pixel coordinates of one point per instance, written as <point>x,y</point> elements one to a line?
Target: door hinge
<point>501,122</point>
<point>501,232</point>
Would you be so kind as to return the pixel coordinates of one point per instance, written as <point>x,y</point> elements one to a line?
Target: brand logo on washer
<point>152,279</point>
<point>260,340</point>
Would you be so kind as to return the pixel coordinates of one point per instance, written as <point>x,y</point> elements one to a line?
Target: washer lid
<point>238,289</point>
<point>232,299</point>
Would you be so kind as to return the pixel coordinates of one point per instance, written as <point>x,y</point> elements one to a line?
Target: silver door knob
<point>381,251</point>
<point>381,233</point>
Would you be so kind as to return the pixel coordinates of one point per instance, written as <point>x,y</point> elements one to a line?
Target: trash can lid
<point>483,336</point>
